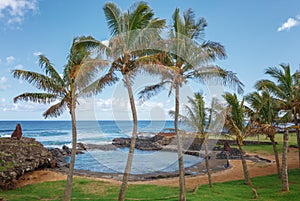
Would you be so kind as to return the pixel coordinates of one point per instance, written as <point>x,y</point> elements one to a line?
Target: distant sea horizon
<point>55,133</point>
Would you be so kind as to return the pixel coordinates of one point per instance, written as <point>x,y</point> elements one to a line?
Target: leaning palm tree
<point>235,124</point>
<point>185,59</point>
<point>265,113</point>
<point>63,91</point>
<point>131,31</point>
<point>285,90</point>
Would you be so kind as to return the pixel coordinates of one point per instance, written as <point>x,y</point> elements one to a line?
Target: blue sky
<point>256,34</point>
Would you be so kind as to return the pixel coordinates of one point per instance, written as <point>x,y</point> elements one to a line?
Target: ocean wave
<point>6,131</point>
<point>4,135</point>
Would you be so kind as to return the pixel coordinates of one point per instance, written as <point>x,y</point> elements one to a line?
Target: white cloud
<point>3,83</point>
<point>36,54</point>
<point>10,60</point>
<point>19,66</point>
<point>14,11</point>
<point>23,107</point>
<point>149,105</point>
<point>119,109</point>
<point>105,42</point>
<point>291,22</point>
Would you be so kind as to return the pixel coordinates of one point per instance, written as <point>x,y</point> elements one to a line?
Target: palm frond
<point>36,97</point>
<point>56,110</point>
<point>154,69</point>
<point>150,91</point>
<point>193,118</point>
<point>87,71</point>
<point>271,86</point>
<point>40,81</point>
<point>231,126</point>
<point>98,85</point>
<point>177,23</point>
<point>114,18</point>
<point>287,117</point>
<point>92,44</point>
<point>181,117</point>
<point>81,66</point>
<point>194,28</point>
<point>236,110</point>
<point>50,70</point>
<point>216,74</point>
<point>140,15</point>
<point>212,51</point>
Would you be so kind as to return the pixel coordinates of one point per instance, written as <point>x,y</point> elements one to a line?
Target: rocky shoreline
<point>26,154</point>
<point>20,156</point>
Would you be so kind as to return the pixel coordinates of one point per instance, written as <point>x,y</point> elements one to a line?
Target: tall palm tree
<point>265,114</point>
<point>63,91</point>
<point>185,59</point>
<point>285,90</point>
<point>235,125</point>
<point>131,31</point>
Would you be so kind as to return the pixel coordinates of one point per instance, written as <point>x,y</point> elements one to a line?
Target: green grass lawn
<point>268,188</point>
<point>267,149</point>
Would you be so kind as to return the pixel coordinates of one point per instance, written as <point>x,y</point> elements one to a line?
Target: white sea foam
<point>4,135</point>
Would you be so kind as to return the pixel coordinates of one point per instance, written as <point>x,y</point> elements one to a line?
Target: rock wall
<point>193,144</point>
<point>20,156</point>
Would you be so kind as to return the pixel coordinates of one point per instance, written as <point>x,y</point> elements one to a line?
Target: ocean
<point>55,134</point>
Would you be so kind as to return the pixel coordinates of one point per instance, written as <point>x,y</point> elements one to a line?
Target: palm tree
<point>265,113</point>
<point>131,32</point>
<point>235,125</point>
<point>75,82</point>
<point>184,59</point>
<point>285,90</point>
<point>196,118</point>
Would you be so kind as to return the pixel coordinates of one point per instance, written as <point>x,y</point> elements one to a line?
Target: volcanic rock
<point>20,156</point>
<point>17,132</point>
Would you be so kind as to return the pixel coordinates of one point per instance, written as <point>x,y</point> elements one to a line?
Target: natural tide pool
<point>144,162</point>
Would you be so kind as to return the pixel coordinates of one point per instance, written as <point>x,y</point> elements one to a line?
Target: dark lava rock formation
<point>20,156</point>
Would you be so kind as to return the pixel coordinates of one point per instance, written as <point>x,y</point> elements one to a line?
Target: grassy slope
<point>268,188</point>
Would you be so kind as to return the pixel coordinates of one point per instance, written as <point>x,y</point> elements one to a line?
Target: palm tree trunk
<point>179,147</point>
<point>298,136</point>
<point>68,189</point>
<point>207,164</point>
<point>276,156</point>
<point>298,141</point>
<point>284,176</point>
<point>245,167</point>
<point>133,141</point>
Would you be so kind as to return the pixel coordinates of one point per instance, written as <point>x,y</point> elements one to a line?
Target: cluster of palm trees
<point>275,102</point>
<point>137,46</point>
<point>281,98</point>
